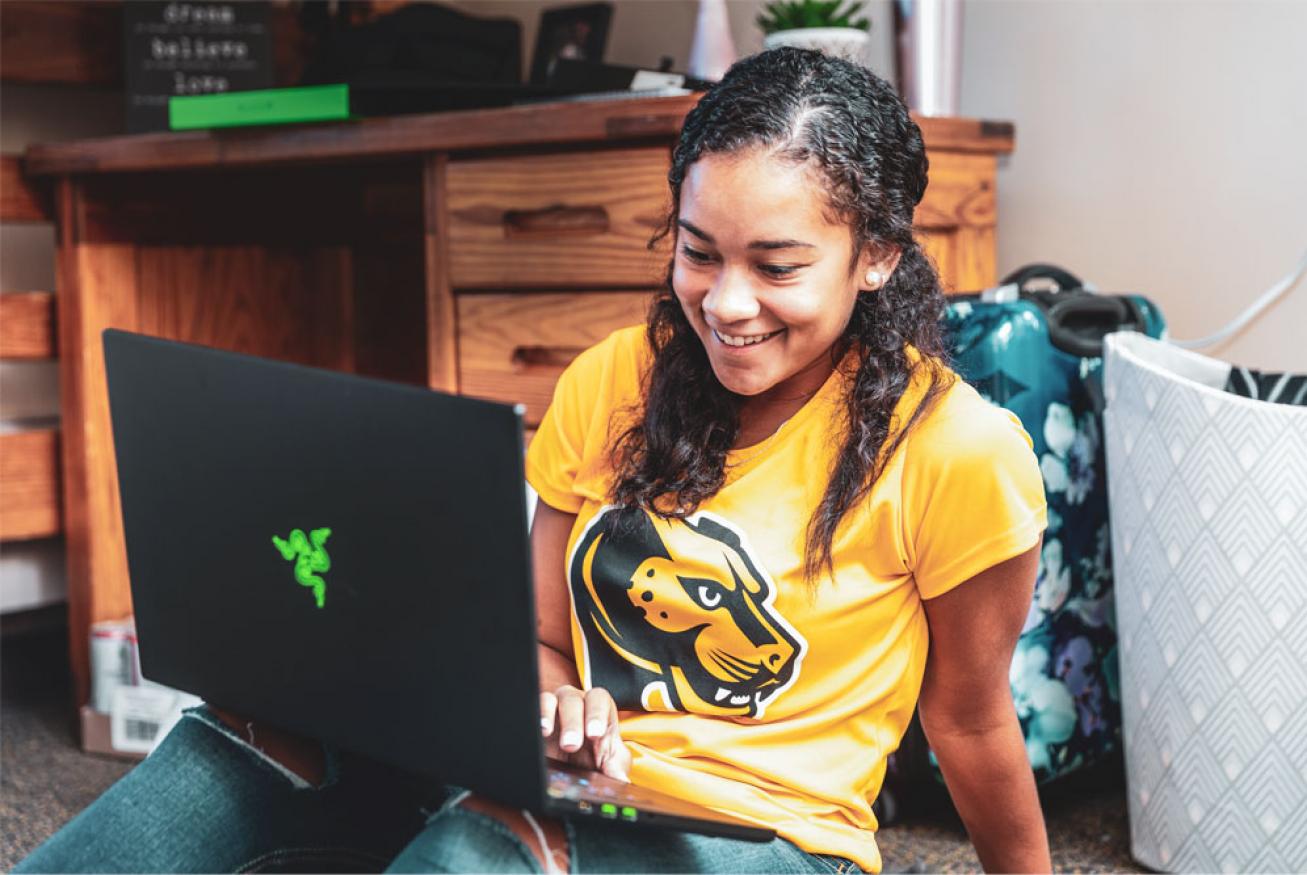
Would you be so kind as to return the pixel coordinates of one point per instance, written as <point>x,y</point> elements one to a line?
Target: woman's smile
<point>740,342</point>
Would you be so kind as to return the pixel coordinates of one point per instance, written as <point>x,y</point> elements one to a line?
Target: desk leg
<point>442,341</point>
<point>96,286</point>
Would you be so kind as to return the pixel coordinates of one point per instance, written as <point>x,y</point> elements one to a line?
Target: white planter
<point>848,43</point>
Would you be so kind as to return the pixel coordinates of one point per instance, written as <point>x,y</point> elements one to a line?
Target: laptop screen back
<point>341,557</point>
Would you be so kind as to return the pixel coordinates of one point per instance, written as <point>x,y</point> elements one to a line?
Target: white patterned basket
<point>849,43</point>
<point>1208,499</point>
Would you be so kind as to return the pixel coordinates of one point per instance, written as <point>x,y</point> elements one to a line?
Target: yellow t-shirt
<point>740,687</point>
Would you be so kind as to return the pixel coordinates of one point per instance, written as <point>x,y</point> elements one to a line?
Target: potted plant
<point>828,26</point>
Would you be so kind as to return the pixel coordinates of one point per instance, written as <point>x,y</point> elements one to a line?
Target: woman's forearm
<point>993,788</point>
<point>556,669</point>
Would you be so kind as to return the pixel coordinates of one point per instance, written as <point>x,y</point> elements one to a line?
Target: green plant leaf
<point>781,15</point>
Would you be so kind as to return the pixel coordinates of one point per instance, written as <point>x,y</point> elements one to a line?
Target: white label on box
<point>139,717</point>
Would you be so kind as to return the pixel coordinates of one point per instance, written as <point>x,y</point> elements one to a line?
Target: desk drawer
<point>512,348</point>
<point>570,220</point>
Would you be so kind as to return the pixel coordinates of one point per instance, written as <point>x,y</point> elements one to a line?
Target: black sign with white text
<point>175,48</point>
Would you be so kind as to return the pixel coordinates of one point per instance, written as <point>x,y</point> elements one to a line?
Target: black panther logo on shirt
<point>677,616</point>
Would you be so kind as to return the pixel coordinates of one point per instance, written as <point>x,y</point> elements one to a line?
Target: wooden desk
<point>470,251</point>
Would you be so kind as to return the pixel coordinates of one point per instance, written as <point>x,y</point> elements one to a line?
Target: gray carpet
<point>45,779</point>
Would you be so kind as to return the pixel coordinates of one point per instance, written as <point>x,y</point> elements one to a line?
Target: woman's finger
<point>600,712</point>
<point>571,718</point>
<point>548,710</point>
<point>603,730</point>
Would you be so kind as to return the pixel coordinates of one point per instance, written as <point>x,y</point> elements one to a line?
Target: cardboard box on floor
<point>128,714</point>
<point>97,737</point>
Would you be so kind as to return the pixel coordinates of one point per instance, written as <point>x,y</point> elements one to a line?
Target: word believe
<point>185,48</point>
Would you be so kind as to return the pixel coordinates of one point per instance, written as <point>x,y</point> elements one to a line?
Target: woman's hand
<point>580,727</point>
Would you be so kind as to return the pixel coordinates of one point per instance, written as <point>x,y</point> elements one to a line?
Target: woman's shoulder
<point>962,422</point>
<point>602,380</point>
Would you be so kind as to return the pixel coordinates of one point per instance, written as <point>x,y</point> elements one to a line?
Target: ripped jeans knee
<point>306,764</point>
<point>459,839</point>
<point>210,800</point>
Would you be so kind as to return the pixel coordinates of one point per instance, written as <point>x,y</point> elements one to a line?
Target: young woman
<point>771,522</point>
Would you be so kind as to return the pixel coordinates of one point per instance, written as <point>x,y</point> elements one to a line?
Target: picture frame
<point>578,32</point>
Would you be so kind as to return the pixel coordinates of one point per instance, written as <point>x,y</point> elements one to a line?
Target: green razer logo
<point>309,556</point>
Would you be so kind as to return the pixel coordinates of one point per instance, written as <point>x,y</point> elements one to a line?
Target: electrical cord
<point>1269,297</point>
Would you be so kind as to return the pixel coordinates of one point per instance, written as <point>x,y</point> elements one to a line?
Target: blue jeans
<point>205,801</point>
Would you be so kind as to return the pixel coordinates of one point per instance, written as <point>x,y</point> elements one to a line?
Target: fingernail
<point>546,725</point>
<point>595,728</point>
<point>570,739</point>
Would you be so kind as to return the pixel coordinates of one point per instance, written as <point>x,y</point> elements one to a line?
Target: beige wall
<point>1160,149</point>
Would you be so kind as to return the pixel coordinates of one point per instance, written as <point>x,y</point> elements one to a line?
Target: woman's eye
<point>709,598</point>
<point>778,270</point>
<point>695,255</point>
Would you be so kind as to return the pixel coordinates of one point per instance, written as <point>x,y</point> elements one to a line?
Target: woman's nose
<point>730,299</point>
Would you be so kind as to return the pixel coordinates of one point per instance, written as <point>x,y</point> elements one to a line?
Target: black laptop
<point>345,557</point>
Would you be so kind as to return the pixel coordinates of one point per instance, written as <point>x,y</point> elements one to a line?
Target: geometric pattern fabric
<point>1208,496</point>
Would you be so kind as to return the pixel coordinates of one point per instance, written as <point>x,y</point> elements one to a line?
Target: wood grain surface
<point>512,348</point>
<point>582,219</point>
<point>29,485</point>
<point>285,303</point>
<point>441,317</point>
<point>534,125</point>
<point>96,291</point>
<point>27,325</point>
<point>21,199</point>
<point>961,192</point>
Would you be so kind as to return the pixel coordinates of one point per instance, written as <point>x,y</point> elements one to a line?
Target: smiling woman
<point>777,489</point>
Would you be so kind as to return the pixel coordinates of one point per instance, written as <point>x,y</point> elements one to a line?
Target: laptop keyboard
<point>593,793</point>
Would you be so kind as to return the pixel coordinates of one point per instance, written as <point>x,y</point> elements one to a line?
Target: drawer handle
<point>526,359</point>
<point>555,220</point>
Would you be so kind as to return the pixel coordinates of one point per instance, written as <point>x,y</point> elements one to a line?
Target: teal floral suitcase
<point>1039,354</point>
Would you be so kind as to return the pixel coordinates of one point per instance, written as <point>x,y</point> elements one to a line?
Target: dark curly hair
<point>852,126</point>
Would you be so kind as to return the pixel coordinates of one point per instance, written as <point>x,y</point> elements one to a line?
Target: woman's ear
<point>876,266</point>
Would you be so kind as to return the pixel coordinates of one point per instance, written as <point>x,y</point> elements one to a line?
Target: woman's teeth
<point>744,341</point>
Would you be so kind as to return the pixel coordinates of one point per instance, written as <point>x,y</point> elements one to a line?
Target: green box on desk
<point>272,106</point>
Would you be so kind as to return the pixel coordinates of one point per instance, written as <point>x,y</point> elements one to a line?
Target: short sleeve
<point>567,460</point>
<point>973,495</point>
<point>554,458</point>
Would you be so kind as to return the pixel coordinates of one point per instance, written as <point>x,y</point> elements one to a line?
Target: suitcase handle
<point>1078,323</point>
<point>1063,279</point>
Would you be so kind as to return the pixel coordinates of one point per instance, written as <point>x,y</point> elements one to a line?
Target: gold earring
<point>873,279</point>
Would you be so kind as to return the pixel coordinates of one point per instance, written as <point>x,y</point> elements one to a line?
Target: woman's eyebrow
<point>702,235</point>
<point>780,244</point>
<point>756,244</point>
